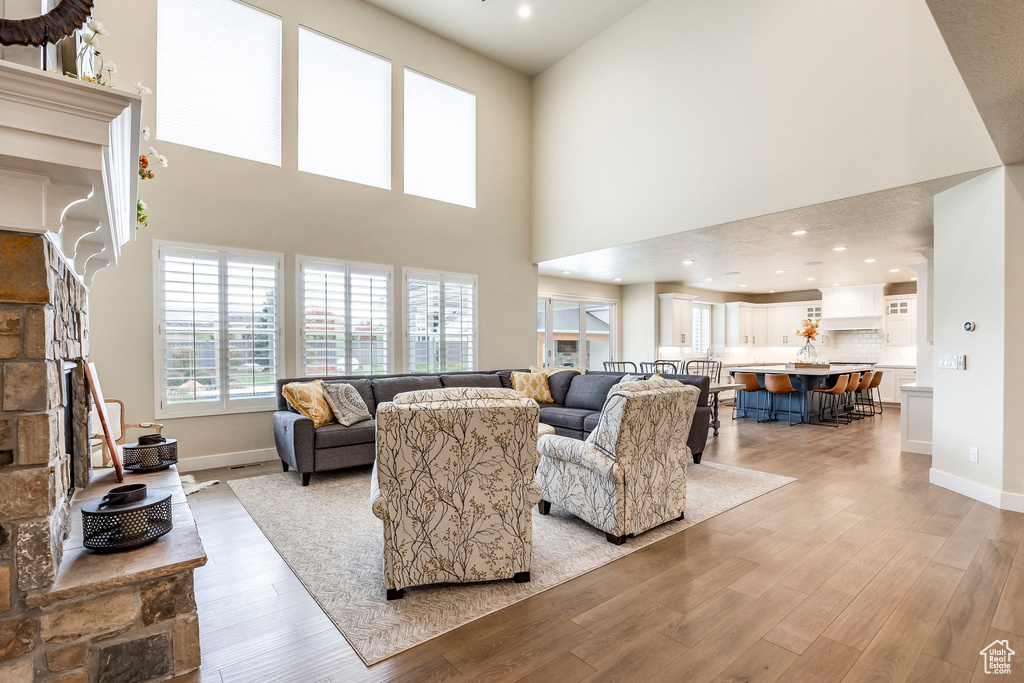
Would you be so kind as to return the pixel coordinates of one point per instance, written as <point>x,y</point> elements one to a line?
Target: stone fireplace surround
<point>68,614</point>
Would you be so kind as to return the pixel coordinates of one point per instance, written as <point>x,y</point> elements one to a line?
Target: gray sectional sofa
<point>575,412</point>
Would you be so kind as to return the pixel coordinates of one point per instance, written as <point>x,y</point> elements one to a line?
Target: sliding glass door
<point>575,333</point>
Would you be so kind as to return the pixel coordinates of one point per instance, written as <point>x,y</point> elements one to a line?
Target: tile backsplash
<point>868,346</point>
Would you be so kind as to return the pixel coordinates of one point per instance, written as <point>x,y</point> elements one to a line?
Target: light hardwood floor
<point>859,571</point>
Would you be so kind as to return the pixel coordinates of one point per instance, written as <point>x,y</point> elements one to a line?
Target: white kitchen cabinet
<point>892,380</point>
<point>758,326</point>
<point>676,320</point>
<point>739,322</point>
<point>767,324</point>
<point>901,321</point>
<point>903,376</point>
<point>783,323</point>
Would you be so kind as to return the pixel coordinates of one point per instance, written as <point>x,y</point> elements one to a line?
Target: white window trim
<point>406,272</point>
<point>300,306</point>
<point>224,406</point>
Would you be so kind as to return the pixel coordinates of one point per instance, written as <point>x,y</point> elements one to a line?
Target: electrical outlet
<point>974,454</point>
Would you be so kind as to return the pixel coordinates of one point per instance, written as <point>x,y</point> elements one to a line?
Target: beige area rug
<point>331,540</point>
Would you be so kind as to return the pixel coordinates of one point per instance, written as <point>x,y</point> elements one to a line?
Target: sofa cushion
<point>567,418</point>
<point>334,435</point>
<point>559,383</point>
<point>385,388</point>
<point>590,390</point>
<point>481,381</point>
<point>365,389</point>
<point>590,423</point>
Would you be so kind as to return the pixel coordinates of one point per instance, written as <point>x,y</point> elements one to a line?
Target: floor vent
<point>244,467</point>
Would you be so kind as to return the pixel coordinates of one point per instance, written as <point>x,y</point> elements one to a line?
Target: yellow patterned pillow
<point>532,385</point>
<point>309,399</point>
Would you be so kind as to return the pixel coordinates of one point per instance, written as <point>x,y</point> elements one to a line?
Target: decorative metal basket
<point>127,517</point>
<point>152,452</point>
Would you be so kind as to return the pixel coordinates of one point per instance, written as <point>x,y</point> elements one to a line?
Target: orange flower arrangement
<point>808,329</point>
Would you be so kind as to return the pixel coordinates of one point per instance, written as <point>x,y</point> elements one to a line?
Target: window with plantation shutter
<point>440,319</point>
<point>345,328</point>
<point>218,330</point>
<point>701,328</point>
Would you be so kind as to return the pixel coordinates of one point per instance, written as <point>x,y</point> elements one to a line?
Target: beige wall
<point>691,113</point>
<point>1013,426</point>
<point>970,284</point>
<point>218,200</point>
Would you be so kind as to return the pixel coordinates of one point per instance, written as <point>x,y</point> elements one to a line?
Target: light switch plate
<point>953,362</point>
<point>974,454</point>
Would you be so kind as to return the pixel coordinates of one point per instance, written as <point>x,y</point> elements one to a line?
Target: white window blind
<point>218,330</point>
<point>440,322</point>
<point>344,111</point>
<point>345,327</point>
<point>440,140</point>
<point>701,328</point>
<point>219,78</point>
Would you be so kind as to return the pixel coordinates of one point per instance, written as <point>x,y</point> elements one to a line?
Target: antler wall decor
<point>58,23</point>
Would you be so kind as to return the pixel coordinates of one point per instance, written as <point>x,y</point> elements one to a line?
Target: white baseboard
<point>974,490</point>
<point>209,462</point>
<point>1013,502</point>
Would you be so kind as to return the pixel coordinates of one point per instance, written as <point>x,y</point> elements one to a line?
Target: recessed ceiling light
<point>707,279</point>
<point>771,291</point>
<point>913,279</point>
<point>618,279</point>
<point>869,260</point>
<point>798,232</point>
<point>525,11</point>
<point>810,279</point>
<point>742,285</point>
<point>566,272</point>
<point>894,270</point>
<point>779,271</point>
<point>838,248</point>
<point>688,262</point>
<point>836,284</point>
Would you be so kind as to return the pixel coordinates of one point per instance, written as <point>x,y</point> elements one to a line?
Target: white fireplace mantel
<point>69,164</point>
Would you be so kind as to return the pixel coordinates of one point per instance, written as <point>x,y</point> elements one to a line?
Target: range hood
<point>859,307</point>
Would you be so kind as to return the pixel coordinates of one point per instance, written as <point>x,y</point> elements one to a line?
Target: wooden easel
<point>101,410</point>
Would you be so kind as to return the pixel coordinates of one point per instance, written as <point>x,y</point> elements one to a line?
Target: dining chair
<point>658,366</point>
<point>708,368</point>
<point>619,366</point>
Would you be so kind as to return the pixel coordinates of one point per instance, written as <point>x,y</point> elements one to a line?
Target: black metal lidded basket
<point>152,452</point>
<point>127,517</point>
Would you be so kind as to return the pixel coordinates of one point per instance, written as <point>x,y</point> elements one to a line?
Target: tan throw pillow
<point>346,403</point>
<point>309,399</point>
<point>532,385</point>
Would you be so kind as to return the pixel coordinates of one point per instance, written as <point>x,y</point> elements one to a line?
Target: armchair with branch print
<point>453,483</point>
<point>630,474</point>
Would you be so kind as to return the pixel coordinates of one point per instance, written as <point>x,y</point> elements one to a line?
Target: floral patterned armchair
<point>453,483</point>
<point>630,474</point>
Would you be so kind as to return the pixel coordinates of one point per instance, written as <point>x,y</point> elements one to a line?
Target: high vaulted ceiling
<point>494,28</point>
<point>890,227</point>
<point>986,40</point>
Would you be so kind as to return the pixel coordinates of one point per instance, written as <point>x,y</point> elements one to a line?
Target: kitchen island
<point>804,380</point>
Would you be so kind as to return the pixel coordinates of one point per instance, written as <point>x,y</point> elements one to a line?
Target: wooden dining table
<point>715,389</point>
